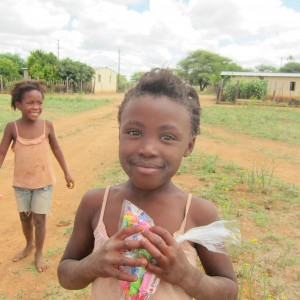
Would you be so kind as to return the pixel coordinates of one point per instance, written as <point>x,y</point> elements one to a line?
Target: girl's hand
<point>106,261</point>
<point>1,197</point>
<point>171,264</point>
<point>70,182</point>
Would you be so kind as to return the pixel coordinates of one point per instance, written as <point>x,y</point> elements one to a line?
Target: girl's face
<point>31,105</point>
<point>155,133</point>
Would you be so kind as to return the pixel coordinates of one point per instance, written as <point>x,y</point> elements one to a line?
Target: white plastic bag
<point>216,237</point>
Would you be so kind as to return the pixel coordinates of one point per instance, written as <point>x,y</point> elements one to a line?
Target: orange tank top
<point>33,165</point>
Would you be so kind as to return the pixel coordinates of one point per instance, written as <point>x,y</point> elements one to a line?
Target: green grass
<point>282,124</point>
<point>54,107</point>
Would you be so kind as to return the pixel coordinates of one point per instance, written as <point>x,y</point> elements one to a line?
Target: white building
<point>105,80</point>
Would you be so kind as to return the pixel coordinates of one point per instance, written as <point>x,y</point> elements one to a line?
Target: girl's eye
<point>134,132</point>
<point>168,137</point>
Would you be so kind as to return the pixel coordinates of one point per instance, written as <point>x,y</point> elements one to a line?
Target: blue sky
<point>295,4</point>
<point>152,33</point>
<point>143,5</point>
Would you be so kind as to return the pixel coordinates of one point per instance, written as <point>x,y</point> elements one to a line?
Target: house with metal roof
<point>279,84</point>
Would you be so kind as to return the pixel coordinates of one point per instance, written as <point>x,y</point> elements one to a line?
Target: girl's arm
<point>218,282</point>
<point>59,154</point>
<point>6,141</point>
<point>73,269</point>
<point>80,265</point>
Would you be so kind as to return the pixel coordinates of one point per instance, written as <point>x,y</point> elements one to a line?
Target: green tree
<point>266,68</point>
<point>202,68</point>
<point>75,71</point>
<point>17,59</point>
<point>123,83</point>
<point>135,77</point>
<point>42,65</point>
<point>9,70</point>
<point>291,67</point>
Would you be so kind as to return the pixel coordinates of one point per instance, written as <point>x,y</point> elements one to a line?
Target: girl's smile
<point>147,167</point>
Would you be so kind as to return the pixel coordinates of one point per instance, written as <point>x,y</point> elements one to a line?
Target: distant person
<point>158,124</point>
<point>33,171</point>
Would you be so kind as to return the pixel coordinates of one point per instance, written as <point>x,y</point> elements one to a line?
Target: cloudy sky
<point>136,35</point>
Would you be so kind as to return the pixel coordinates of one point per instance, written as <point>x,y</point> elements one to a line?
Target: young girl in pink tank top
<point>158,124</point>
<point>33,171</point>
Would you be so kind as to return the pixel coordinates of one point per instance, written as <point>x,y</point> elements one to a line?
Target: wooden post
<point>1,83</point>
<point>93,85</point>
<point>67,85</point>
<point>274,92</point>
<point>236,91</point>
<point>220,91</point>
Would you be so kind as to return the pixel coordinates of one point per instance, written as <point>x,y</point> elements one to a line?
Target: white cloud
<point>250,32</point>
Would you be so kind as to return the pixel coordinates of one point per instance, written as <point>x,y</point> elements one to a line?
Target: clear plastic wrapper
<point>217,237</point>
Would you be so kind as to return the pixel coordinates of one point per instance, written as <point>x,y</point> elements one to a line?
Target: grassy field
<point>281,124</point>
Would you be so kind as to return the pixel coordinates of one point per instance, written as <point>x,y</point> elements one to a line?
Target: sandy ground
<point>89,141</point>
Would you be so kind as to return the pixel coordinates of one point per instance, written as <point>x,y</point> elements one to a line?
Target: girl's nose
<point>36,105</point>
<point>148,148</point>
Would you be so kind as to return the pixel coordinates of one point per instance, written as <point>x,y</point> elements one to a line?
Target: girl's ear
<point>190,147</point>
<point>18,104</point>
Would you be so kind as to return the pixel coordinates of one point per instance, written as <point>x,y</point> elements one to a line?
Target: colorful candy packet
<point>147,282</point>
<point>217,237</point>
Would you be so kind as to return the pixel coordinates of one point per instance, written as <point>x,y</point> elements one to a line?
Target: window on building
<point>99,78</point>
<point>292,86</point>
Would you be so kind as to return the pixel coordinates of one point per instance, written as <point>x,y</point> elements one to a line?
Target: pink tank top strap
<point>105,197</point>
<point>44,127</point>
<point>187,207</point>
<point>16,128</point>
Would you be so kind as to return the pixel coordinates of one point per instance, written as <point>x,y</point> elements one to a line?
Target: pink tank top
<point>109,288</point>
<point>33,165</point>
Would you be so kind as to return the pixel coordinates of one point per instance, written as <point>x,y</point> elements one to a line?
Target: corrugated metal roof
<point>259,74</point>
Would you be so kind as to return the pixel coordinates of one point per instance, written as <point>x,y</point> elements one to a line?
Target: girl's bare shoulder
<point>93,198</point>
<point>10,129</point>
<point>90,206</point>
<point>202,212</point>
<point>48,124</point>
<point>11,125</point>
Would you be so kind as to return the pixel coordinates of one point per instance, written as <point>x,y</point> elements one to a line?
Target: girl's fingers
<point>132,262</point>
<point>158,237</point>
<point>120,275</point>
<point>164,234</point>
<point>155,245</point>
<point>128,231</point>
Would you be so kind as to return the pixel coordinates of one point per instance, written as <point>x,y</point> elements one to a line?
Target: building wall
<point>283,86</point>
<point>105,80</point>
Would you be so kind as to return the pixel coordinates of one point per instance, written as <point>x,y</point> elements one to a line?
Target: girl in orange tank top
<point>33,178</point>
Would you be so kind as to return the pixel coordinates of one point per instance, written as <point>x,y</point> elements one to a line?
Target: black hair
<point>23,86</point>
<point>162,82</point>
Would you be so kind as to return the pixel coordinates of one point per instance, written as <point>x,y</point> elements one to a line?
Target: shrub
<point>246,89</point>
